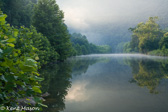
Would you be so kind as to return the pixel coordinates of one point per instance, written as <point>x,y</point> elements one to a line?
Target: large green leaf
<point>10,44</point>
<point>11,40</point>
<point>30,62</point>
<point>15,32</point>
<point>2,17</point>
<point>36,89</point>
<point>27,68</point>
<point>37,78</point>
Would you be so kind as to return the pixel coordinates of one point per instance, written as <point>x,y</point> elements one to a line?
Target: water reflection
<point>81,64</point>
<point>149,72</point>
<point>100,83</point>
<point>56,83</point>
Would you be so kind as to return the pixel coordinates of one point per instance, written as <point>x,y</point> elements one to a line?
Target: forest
<point>32,35</point>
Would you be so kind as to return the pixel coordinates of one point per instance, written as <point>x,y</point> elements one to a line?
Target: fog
<point>108,21</point>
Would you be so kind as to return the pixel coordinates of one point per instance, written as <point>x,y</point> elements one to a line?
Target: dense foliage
<point>19,11</point>
<point>48,19</point>
<point>81,46</point>
<point>148,38</point>
<point>18,68</point>
<point>45,52</point>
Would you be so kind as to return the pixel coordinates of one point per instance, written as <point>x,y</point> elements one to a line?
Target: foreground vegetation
<point>148,38</point>
<point>18,66</point>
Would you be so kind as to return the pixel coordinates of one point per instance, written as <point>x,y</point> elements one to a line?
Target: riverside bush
<point>18,69</point>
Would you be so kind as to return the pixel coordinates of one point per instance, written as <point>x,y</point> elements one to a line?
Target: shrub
<point>18,68</point>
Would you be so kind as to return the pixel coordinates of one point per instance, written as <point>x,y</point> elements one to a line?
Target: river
<point>107,83</point>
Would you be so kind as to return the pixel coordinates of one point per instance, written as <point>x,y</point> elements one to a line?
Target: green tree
<point>78,49</point>
<point>45,52</point>
<point>19,11</point>
<point>48,19</point>
<point>127,48</point>
<point>146,36</point>
<point>134,43</point>
<point>84,50</point>
<point>164,41</point>
<point>82,45</point>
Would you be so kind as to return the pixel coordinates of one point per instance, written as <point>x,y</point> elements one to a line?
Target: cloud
<point>93,17</point>
<point>77,93</point>
<point>74,18</point>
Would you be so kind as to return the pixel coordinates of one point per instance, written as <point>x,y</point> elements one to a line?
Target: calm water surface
<point>107,83</point>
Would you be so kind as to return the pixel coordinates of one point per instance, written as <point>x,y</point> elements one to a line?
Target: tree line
<point>148,38</point>
<point>81,46</point>
<point>45,17</point>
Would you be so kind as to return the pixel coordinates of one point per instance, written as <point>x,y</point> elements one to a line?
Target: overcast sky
<point>85,16</point>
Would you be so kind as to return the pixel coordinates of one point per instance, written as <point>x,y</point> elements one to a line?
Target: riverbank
<point>158,52</point>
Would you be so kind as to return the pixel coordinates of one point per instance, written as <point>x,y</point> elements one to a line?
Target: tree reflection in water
<point>149,72</point>
<point>56,83</point>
